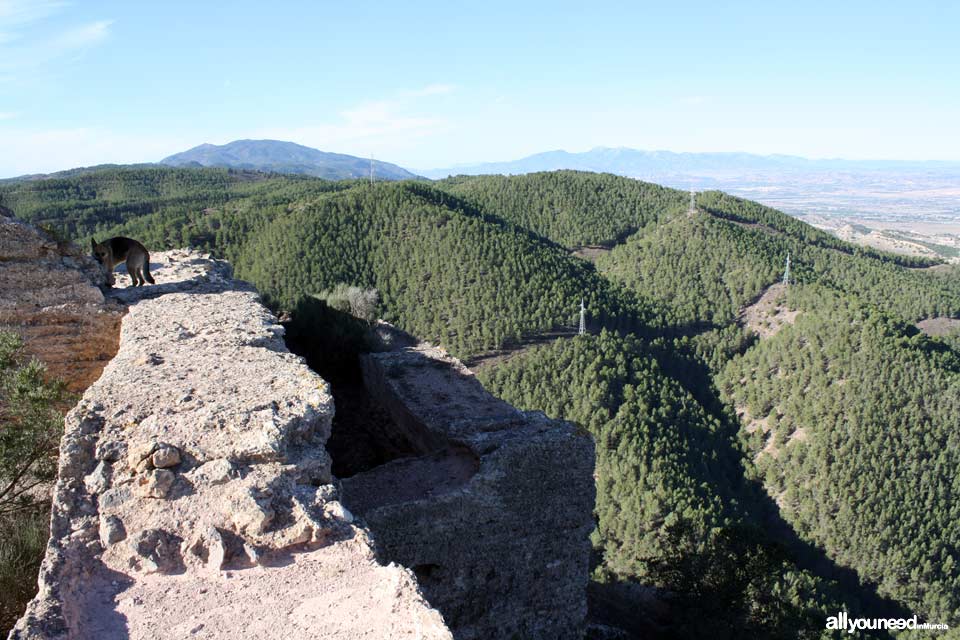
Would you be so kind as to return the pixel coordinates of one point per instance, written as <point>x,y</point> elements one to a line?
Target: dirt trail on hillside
<point>591,253</point>
<point>940,326</point>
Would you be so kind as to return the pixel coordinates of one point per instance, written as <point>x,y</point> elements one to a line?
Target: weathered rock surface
<point>50,294</point>
<point>194,496</point>
<point>494,517</point>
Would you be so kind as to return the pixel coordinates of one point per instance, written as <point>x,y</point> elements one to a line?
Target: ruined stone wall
<point>494,517</point>
<point>194,496</point>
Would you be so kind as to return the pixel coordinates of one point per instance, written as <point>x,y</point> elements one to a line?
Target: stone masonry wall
<point>194,496</point>
<point>494,517</point>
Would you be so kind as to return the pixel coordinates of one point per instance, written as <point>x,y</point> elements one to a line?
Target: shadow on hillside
<point>759,509</point>
<point>497,356</point>
<point>862,596</point>
<point>643,612</point>
<point>640,611</point>
<point>637,611</point>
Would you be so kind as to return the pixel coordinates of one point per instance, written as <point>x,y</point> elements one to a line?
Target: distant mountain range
<point>648,164</point>
<point>284,157</point>
<point>720,170</point>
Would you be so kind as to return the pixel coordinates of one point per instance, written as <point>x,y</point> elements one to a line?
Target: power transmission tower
<point>693,200</point>
<point>583,317</point>
<point>786,272</point>
<point>371,168</point>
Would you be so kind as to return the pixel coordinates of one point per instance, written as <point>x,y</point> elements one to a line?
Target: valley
<point>918,236</point>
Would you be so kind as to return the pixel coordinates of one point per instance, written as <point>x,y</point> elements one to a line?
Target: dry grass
<point>23,539</point>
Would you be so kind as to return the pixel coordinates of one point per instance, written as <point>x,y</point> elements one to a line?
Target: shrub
<point>30,428</point>
<point>360,303</point>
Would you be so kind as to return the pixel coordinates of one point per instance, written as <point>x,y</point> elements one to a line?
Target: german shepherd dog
<point>116,250</point>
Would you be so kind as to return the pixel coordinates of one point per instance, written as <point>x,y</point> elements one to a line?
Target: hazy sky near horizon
<point>433,84</point>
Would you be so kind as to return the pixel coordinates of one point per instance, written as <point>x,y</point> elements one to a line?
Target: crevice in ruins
<point>364,435</point>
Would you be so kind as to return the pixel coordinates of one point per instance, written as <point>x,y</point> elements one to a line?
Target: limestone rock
<point>50,294</point>
<point>213,472</point>
<point>207,550</point>
<point>99,480</point>
<point>155,483</point>
<point>251,513</point>
<point>111,450</point>
<point>337,511</point>
<point>111,530</point>
<point>140,456</point>
<point>156,551</point>
<point>165,456</point>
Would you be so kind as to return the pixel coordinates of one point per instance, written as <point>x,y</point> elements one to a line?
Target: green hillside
<point>572,208</point>
<point>446,271</point>
<point>445,274</point>
<point>707,266</point>
<point>854,431</point>
<point>95,201</point>
<point>843,495</point>
<point>673,506</point>
<point>704,269</point>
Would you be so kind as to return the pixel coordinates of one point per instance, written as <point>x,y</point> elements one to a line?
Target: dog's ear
<point>93,244</point>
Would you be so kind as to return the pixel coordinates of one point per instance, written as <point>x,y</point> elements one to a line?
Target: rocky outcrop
<point>195,497</point>
<point>50,294</point>
<point>494,516</point>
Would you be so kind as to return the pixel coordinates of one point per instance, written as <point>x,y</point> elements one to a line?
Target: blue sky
<point>432,84</point>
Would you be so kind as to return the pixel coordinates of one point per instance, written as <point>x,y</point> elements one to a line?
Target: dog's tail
<point>146,270</point>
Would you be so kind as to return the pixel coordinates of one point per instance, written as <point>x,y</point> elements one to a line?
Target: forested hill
<point>853,416</point>
<point>446,270</point>
<point>572,208</point>
<point>711,263</point>
<point>95,200</point>
<point>445,273</point>
<point>751,482</point>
